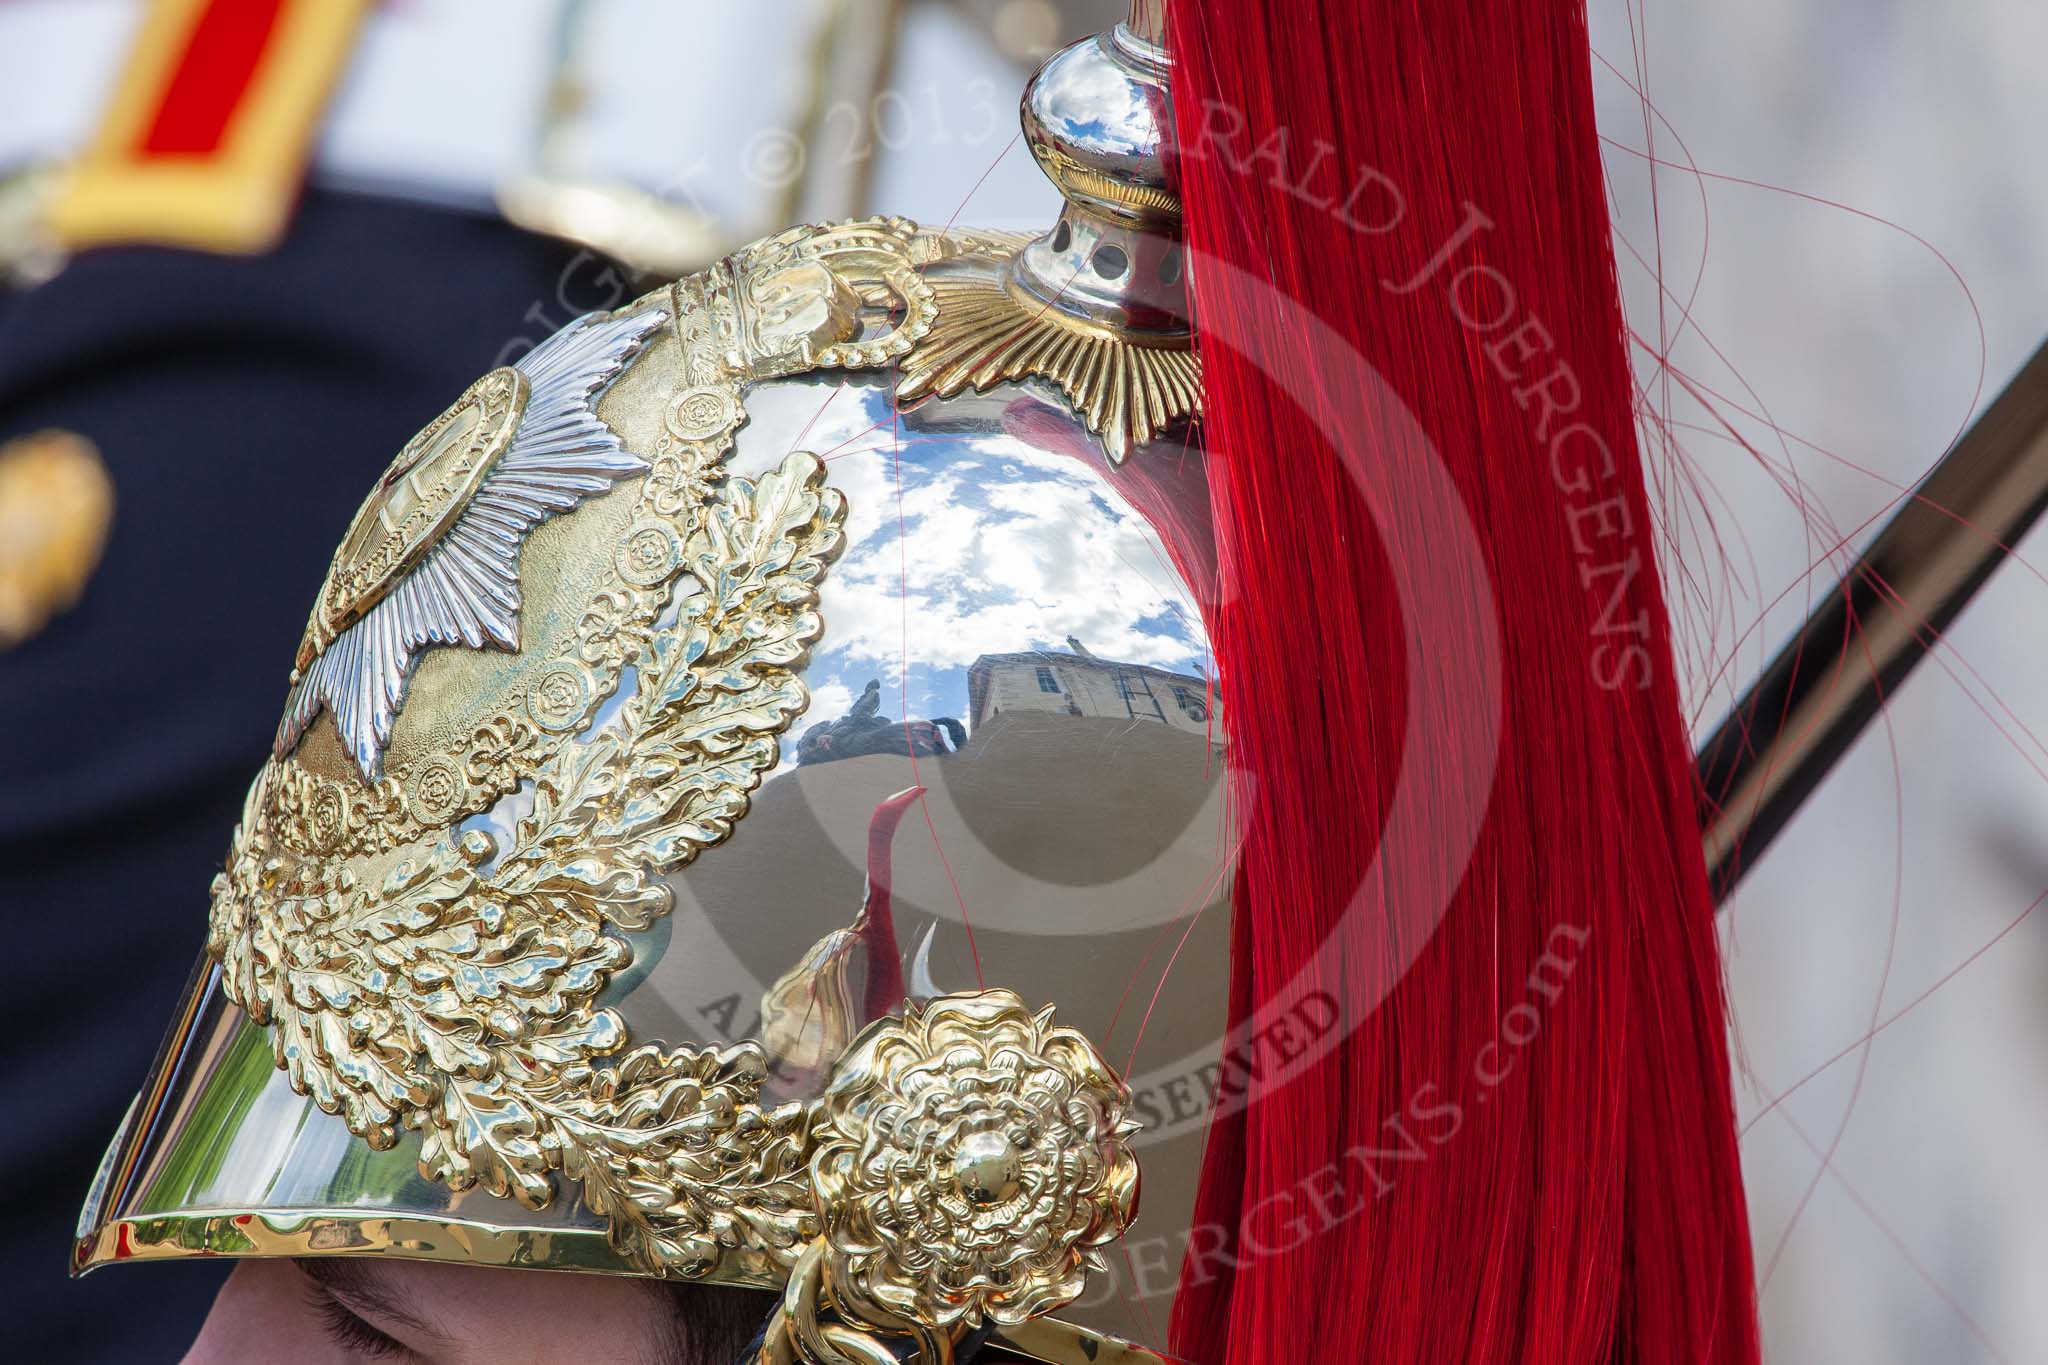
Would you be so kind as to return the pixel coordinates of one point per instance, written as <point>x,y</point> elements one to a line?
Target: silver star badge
<point>433,556</point>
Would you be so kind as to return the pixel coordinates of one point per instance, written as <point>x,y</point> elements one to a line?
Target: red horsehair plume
<point>1462,777</point>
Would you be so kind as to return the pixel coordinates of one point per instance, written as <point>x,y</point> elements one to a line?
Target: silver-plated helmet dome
<point>677,705</point>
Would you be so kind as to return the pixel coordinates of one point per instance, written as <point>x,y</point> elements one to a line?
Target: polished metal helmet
<point>590,913</point>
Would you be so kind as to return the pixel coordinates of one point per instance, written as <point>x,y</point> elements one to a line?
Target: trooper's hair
<point>708,1324</point>
<point>696,1324</point>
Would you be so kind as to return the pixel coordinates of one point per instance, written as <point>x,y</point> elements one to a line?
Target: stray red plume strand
<point>877,918</point>
<point>1516,1141</point>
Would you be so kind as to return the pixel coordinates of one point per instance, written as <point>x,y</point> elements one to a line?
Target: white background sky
<point>1924,1240</point>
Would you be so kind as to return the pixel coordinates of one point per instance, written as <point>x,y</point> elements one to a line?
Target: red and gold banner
<point>207,137</point>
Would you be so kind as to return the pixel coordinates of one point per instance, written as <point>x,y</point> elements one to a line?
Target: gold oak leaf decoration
<point>456,997</point>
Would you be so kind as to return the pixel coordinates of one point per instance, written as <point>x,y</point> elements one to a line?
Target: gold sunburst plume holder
<point>1097,307</point>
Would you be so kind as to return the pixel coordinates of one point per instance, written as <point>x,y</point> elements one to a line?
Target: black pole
<point>1787,732</point>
